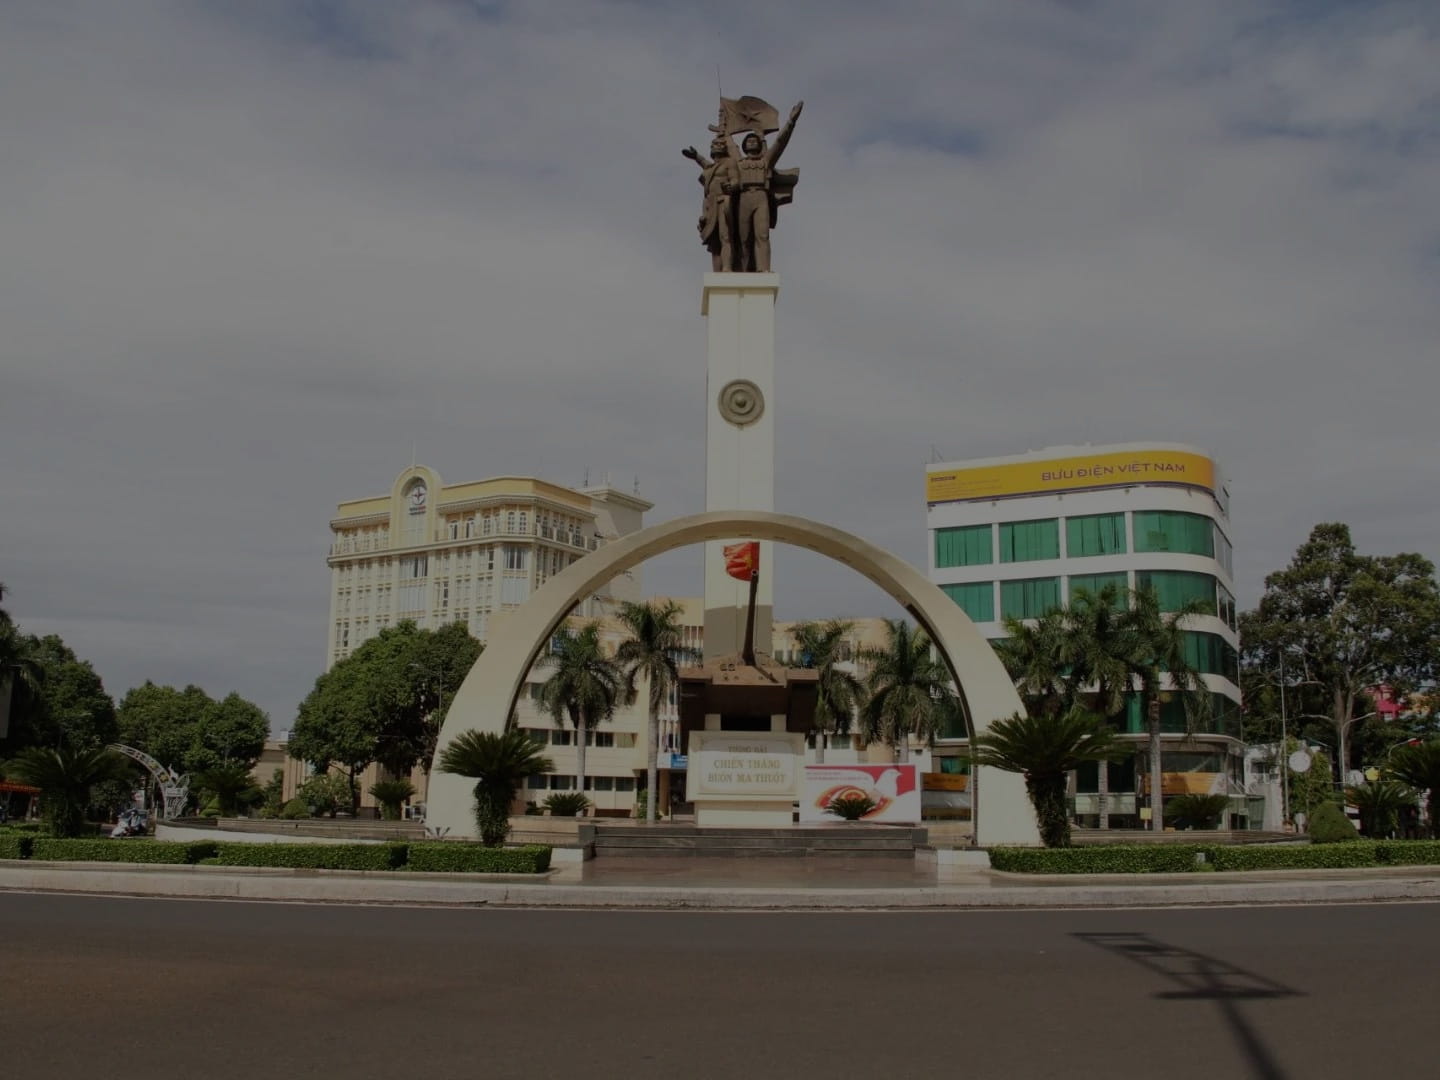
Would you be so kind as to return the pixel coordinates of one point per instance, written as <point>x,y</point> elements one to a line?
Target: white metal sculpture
<point>174,787</point>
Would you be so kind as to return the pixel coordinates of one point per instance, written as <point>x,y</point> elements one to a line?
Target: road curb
<point>214,883</point>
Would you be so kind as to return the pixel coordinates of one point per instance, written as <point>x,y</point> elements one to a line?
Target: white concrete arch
<point>487,696</point>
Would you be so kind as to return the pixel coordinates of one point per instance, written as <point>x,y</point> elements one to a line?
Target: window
<point>624,740</point>
<point>454,530</point>
<point>976,599</point>
<point>604,783</point>
<point>603,739</point>
<point>560,737</point>
<point>562,783</point>
<point>510,521</point>
<point>416,567</point>
<point>539,782</point>
<point>516,558</point>
<point>1029,598</point>
<point>1093,583</point>
<point>1227,607</point>
<point>1026,541</point>
<point>1095,534</point>
<point>1224,553</point>
<point>1211,654</point>
<point>469,527</point>
<point>1175,588</point>
<point>967,546</point>
<point>624,783</point>
<point>1168,530</point>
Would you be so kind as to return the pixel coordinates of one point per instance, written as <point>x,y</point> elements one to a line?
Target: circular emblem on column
<point>741,402</point>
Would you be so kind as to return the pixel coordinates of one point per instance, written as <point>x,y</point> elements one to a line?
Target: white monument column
<point>739,312</point>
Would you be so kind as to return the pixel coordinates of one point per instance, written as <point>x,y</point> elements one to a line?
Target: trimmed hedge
<point>460,858</point>
<point>1110,859</point>
<point>118,851</point>
<point>15,846</point>
<point>1408,852</point>
<point>1294,856</point>
<point>450,858</point>
<point>314,856</point>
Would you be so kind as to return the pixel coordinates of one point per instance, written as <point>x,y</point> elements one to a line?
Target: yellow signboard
<point>1071,474</point>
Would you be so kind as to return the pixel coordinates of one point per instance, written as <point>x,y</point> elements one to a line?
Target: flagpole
<point>748,653</point>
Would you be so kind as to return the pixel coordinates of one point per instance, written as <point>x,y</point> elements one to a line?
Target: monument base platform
<point>840,840</point>
<point>750,815</point>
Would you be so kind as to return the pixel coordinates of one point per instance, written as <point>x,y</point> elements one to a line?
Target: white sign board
<point>739,766</point>
<point>894,789</point>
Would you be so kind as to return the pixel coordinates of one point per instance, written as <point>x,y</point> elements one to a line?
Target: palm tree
<point>228,782</point>
<point>837,691</point>
<point>1154,649</point>
<point>585,687</point>
<point>909,690</point>
<point>65,777</point>
<point>1419,766</point>
<point>1036,654</point>
<point>1380,804</point>
<point>653,651</point>
<point>499,763</point>
<point>1045,748</point>
<point>1100,649</point>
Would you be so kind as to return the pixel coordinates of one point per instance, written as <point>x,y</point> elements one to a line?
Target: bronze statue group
<point>744,190</point>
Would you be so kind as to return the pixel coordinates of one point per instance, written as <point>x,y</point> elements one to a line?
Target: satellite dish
<point>1299,761</point>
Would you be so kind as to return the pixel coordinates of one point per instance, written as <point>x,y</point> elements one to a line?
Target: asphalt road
<point>99,987</point>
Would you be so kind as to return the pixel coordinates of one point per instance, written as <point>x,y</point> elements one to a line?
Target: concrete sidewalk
<point>750,884</point>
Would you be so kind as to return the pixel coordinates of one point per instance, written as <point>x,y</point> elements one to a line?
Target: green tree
<point>1419,766</point>
<point>161,720</point>
<point>584,686</point>
<point>908,690</point>
<point>70,704</point>
<point>653,651</point>
<point>336,725</point>
<point>838,693</point>
<point>65,776</point>
<point>20,673</point>
<point>1045,748</point>
<point>1339,624</point>
<point>327,793</point>
<point>274,795</point>
<point>499,764</point>
<point>190,731</point>
<point>386,701</point>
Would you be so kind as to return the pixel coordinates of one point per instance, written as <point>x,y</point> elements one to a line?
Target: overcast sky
<point>252,252</point>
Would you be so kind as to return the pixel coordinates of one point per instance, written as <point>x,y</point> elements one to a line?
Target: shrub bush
<point>15,845</point>
<point>294,810</point>
<point>850,807</point>
<point>567,804</point>
<point>1293,856</point>
<point>314,856</point>
<point>117,851</point>
<point>462,858</point>
<point>1408,852</point>
<point>1112,859</point>
<point>1329,825</point>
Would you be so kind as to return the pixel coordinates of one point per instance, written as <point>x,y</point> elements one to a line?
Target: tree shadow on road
<point>1199,977</point>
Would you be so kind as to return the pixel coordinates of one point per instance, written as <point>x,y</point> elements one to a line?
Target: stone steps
<point>681,840</point>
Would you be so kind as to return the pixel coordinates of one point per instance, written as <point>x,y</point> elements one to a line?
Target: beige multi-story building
<point>438,554</point>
